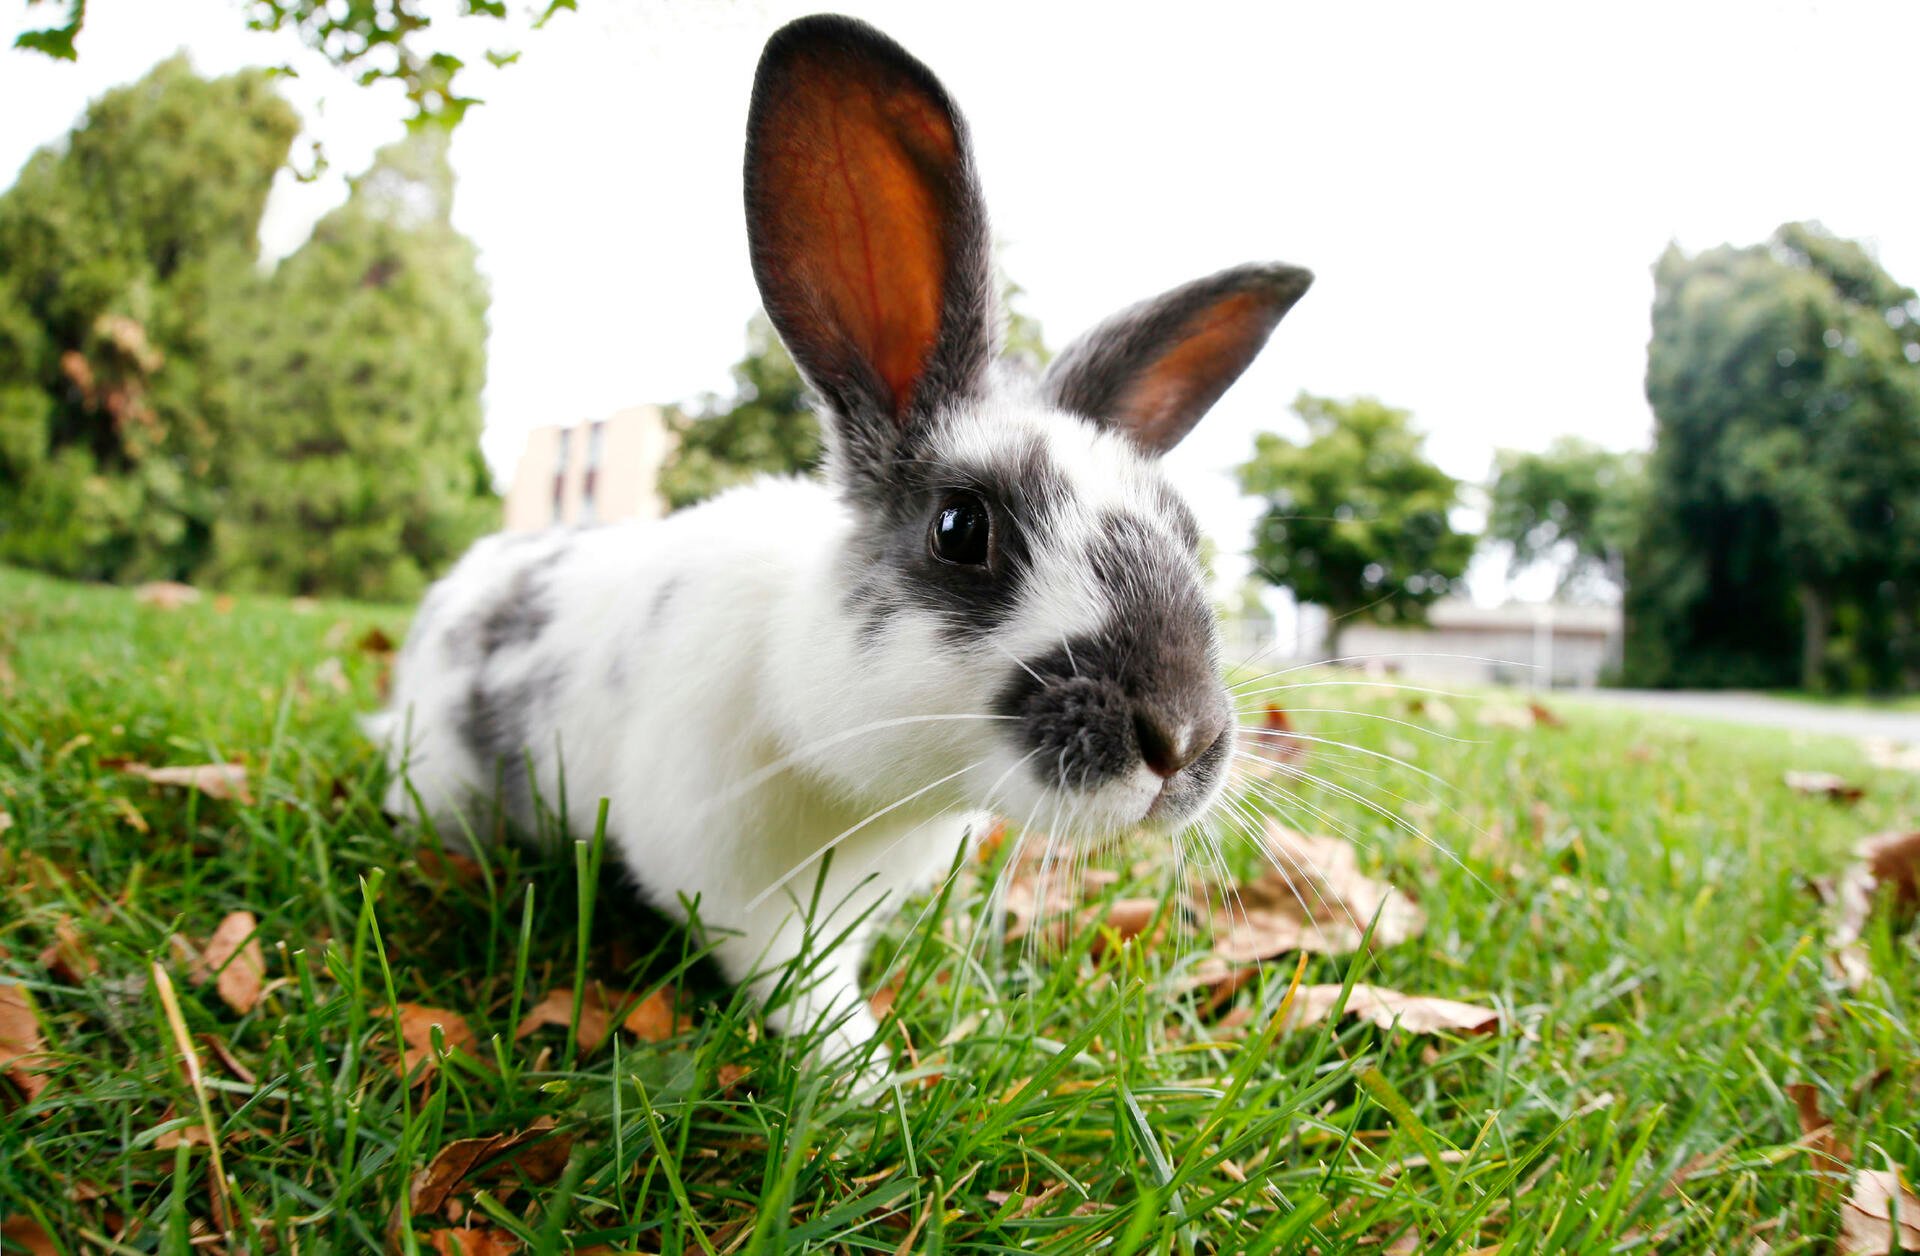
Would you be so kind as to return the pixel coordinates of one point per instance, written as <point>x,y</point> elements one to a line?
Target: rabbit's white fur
<point>992,602</point>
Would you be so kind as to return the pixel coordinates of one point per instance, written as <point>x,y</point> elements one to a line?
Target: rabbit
<point>991,601</point>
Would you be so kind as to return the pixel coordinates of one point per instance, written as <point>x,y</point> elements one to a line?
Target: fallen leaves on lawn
<point>224,781</point>
<point>536,1153</point>
<point>6,821</point>
<point>1884,752</point>
<point>1866,1216</point>
<point>234,957</point>
<point>475,1242</point>
<point>68,956</point>
<point>1271,748</point>
<point>417,1022</point>
<point>652,1019</point>
<point>374,641</point>
<point>1416,1013</point>
<point>1521,717</point>
<point>1816,1128</point>
<point>21,1046</point>
<point>166,595</point>
<point>26,1234</point>
<point>1885,862</point>
<point>1829,784</point>
<point>1314,898</point>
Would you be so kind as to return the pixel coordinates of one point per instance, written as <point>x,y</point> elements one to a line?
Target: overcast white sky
<point>1481,189</point>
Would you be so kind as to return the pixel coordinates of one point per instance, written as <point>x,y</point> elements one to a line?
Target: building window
<point>562,451</point>
<point>596,444</point>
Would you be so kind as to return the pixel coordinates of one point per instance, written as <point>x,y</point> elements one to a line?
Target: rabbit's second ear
<point>1154,369</point>
<point>868,236</point>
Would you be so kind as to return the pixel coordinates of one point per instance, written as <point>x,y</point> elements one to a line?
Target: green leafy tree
<point>1577,506</point>
<point>378,40</point>
<point>1785,383</point>
<point>1357,516</point>
<point>166,411</point>
<point>360,373</point>
<point>116,248</point>
<point>767,426</point>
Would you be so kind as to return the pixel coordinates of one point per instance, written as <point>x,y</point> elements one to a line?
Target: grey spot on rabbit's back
<point>517,617</point>
<point>496,727</point>
<point>658,608</point>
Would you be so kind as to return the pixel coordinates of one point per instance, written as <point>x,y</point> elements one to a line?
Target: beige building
<point>597,472</point>
<point>1535,645</point>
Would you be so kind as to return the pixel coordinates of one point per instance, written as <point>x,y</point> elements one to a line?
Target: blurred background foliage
<point>170,410</point>
<point>1781,544</point>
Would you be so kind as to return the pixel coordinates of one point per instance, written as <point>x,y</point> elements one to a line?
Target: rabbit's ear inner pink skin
<point>868,235</point>
<point>1152,370</point>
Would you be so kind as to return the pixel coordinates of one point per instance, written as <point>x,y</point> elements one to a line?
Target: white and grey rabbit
<point>991,602</point>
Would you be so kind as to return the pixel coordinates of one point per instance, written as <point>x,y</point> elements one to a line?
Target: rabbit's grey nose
<point>1166,745</point>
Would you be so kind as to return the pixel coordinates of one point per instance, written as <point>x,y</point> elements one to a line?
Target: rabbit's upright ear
<point>1153,369</point>
<point>867,231</point>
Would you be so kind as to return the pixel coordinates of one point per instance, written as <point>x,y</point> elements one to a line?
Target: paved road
<point>1764,711</point>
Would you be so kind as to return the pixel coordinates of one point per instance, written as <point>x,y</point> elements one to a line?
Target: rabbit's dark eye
<point>963,531</point>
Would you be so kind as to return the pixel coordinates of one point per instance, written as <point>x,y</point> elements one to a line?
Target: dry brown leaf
<point>1816,1129</point>
<point>215,780</point>
<point>1544,716</point>
<point>1271,748</point>
<point>1894,861</point>
<point>557,1009</point>
<point>656,1017</point>
<point>417,1023</point>
<point>536,1153</point>
<point>1828,784</point>
<point>69,957</point>
<point>1037,890</point>
<point>475,1242</point>
<point>234,955</point>
<point>652,1019</point>
<point>1420,1014</point>
<point>442,865</point>
<point>374,641</point>
<point>1504,715</point>
<point>1883,752</point>
<point>1866,1215</point>
<point>166,595</point>
<point>1885,861</point>
<point>21,1046</point>
<point>223,605</point>
<point>1314,899</point>
<point>26,1235</point>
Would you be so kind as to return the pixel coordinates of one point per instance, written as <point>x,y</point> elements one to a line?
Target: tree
<point>1785,383</point>
<point>767,426</point>
<point>379,40</point>
<point>1577,506</point>
<point>168,412</point>
<point>360,374</point>
<point>1357,517</point>
<point>116,248</point>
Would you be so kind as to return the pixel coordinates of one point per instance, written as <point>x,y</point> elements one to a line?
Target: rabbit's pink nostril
<point>1165,749</point>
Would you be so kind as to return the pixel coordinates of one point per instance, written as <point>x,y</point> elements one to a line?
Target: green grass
<point>1632,894</point>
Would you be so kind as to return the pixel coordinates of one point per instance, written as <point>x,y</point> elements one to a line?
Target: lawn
<point>1633,897</point>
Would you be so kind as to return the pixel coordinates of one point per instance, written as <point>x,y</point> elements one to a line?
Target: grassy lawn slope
<point>255,1005</point>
